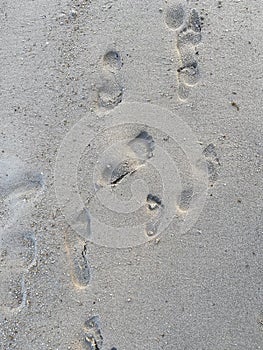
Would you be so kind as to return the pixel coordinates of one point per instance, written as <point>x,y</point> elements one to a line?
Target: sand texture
<point>131,175</point>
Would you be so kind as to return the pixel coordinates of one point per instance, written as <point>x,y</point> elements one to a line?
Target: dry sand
<point>131,175</point>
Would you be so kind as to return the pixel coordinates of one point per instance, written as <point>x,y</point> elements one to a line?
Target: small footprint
<point>155,206</point>
<point>188,36</point>
<point>76,249</point>
<point>212,161</point>
<point>93,339</point>
<point>110,89</point>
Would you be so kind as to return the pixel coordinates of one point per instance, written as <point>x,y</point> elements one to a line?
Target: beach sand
<point>131,175</point>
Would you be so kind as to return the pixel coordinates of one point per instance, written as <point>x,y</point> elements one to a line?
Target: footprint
<point>213,162</point>
<point>93,339</point>
<point>185,199</point>
<point>110,89</point>
<point>155,206</point>
<point>109,94</point>
<point>21,190</point>
<point>142,146</point>
<point>14,290</point>
<point>76,249</point>
<point>188,35</point>
<point>127,159</point>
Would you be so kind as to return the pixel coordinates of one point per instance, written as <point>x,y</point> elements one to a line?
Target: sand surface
<point>131,175</point>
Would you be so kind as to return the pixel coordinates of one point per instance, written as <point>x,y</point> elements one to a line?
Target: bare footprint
<point>110,89</point>
<point>155,206</point>
<point>93,339</point>
<point>21,189</point>
<point>213,162</point>
<point>76,249</point>
<point>127,159</point>
<point>185,199</point>
<point>18,257</point>
<point>188,35</point>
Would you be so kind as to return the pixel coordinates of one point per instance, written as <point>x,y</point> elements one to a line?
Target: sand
<point>131,175</point>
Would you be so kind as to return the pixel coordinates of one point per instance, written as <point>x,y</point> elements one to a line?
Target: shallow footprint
<point>188,72</point>
<point>109,95</point>
<point>185,199</point>
<point>175,15</point>
<point>194,24</point>
<point>21,188</point>
<point>18,255</point>
<point>188,35</point>
<point>142,146</point>
<point>183,91</point>
<point>110,89</point>
<point>77,256</point>
<point>12,290</point>
<point>212,161</point>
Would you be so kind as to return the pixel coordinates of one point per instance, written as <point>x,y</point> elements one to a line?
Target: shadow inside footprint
<point>194,22</point>
<point>92,334</point>
<point>112,61</point>
<point>155,207</point>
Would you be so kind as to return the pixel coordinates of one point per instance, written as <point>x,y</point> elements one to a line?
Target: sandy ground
<point>184,80</point>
